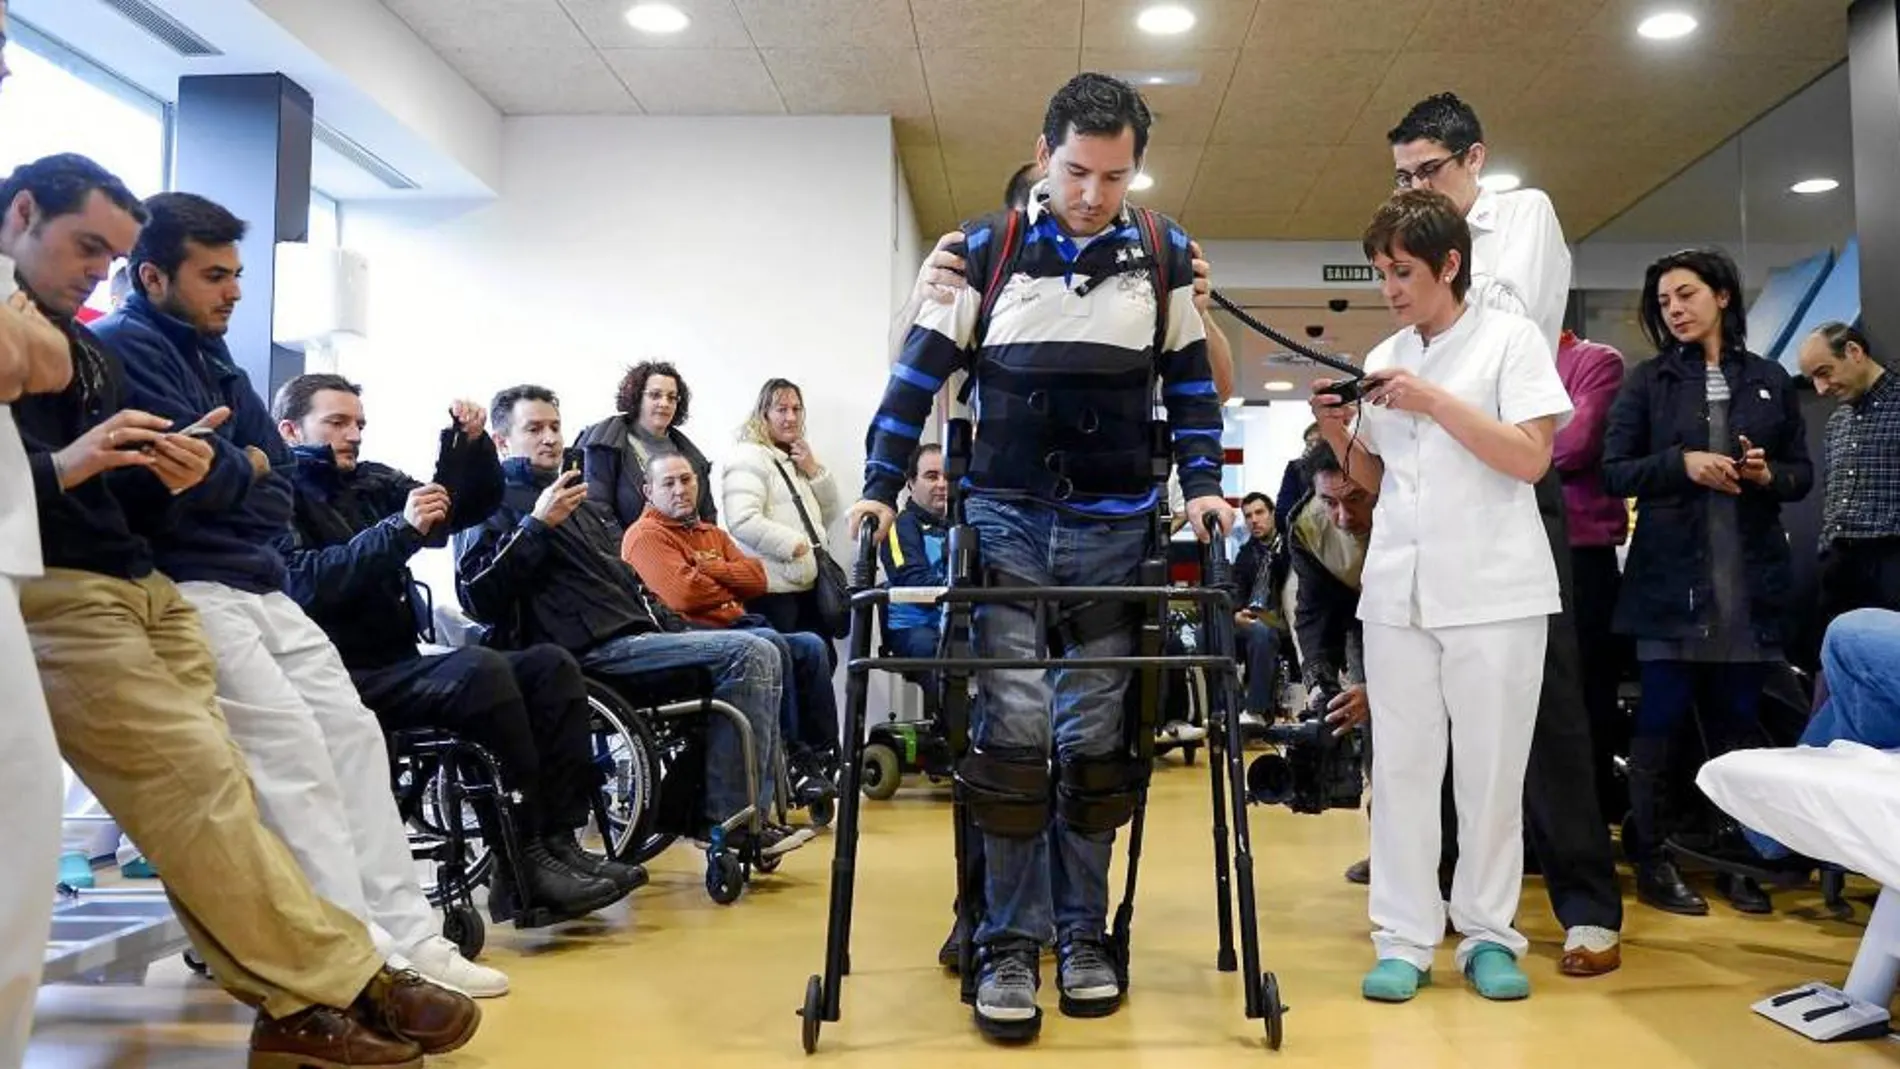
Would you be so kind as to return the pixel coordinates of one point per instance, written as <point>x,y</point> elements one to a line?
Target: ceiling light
<point>1142,183</point>
<point>1667,26</point>
<point>657,18</point>
<point>1165,20</point>
<point>1502,182</point>
<point>1234,402</point>
<point>1811,186</point>
<point>1279,386</point>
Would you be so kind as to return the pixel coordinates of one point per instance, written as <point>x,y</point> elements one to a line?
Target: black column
<point>244,141</point>
<point>1873,73</point>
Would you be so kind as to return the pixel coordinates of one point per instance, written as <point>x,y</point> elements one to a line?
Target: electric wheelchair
<point>1154,668</point>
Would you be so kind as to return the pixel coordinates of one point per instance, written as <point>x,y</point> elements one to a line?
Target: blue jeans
<point>808,707</point>
<point>745,671</point>
<point>1056,884</point>
<point>1860,660</point>
<point>913,642</point>
<point>1258,646</point>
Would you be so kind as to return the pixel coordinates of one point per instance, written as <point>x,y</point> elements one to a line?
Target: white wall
<point>1271,436</point>
<point>907,251</point>
<point>617,239</point>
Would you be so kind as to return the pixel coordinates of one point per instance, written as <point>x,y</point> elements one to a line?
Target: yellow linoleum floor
<point>679,981</point>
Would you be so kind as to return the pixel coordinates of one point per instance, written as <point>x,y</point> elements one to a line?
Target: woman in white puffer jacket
<point>772,459</point>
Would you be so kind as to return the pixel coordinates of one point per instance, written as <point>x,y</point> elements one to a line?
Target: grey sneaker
<point>1006,992</point>
<point>1086,977</point>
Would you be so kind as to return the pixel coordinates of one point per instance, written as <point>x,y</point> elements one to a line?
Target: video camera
<point>1315,770</point>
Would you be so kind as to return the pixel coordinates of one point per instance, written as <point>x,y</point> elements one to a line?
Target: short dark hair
<point>1097,104</point>
<point>1837,334</point>
<point>1718,272</point>
<point>1021,185</point>
<point>1320,460</point>
<point>917,456</point>
<point>1256,496</point>
<point>658,455</point>
<point>1427,225</point>
<point>60,185</point>
<point>294,398</point>
<point>633,386</point>
<point>1442,118</point>
<point>177,218</point>
<point>501,411</point>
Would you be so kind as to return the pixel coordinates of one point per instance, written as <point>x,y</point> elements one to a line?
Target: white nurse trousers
<point>29,769</point>
<point>1479,685</point>
<point>319,765</point>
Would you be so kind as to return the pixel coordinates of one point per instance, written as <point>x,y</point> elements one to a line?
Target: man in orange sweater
<point>703,575</point>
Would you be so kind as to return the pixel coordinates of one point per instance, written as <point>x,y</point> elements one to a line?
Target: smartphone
<point>571,460</point>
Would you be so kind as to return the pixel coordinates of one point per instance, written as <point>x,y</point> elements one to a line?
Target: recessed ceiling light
<point>1235,401</point>
<point>1143,181</point>
<point>1279,386</point>
<point>1159,77</point>
<point>657,18</point>
<point>1501,182</point>
<point>1815,185</point>
<point>1165,20</point>
<point>1667,26</point>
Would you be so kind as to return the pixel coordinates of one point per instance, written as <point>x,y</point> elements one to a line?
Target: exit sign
<point>1347,273</point>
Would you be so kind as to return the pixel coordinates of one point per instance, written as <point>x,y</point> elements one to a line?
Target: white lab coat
<point>1519,262</point>
<point>1456,593</point>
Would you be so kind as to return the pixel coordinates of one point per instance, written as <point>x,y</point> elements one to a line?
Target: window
<point>48,107</point>
<point>326,221</point>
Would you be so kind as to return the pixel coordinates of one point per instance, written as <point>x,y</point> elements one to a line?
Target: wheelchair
<point>1152,667</point>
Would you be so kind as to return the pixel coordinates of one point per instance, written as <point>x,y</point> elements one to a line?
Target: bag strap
<point>1002,263</point>
<point>1154,245</point>
<point>798,499</point>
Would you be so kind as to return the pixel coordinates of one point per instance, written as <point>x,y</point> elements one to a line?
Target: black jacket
<point>566,584</point>
<point>1251,583</point>
<point>1325,616</point>
<point>348,548</point>
<point>101,525</point>
<point>1661,413</point>
<point>614,477</point>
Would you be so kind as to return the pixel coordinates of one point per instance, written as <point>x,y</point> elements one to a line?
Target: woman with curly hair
<point>651,406</point>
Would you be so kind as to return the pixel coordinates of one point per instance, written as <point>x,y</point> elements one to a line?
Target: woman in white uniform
<point>1459,412</point>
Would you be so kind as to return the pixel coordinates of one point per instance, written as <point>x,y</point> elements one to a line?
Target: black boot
<point>569,852</point>
<point>555,892</point>
<point>1744,894</point>
<point>1658,884</point>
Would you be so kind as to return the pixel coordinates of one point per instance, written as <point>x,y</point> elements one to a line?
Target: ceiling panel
<point>715,24</point>
<point>488,25</point>
<point>997,23</point>
<point>1279,133</point>
<point>697,81</point>
<point>867,24</point>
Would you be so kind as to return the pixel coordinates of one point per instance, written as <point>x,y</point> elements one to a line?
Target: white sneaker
<point>1182,731</point>
<point>1252,721</point>
<point>441,961</point>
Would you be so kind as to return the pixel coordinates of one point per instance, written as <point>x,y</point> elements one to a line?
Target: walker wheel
<point>1272,1010</point>
<point>813,1013</point>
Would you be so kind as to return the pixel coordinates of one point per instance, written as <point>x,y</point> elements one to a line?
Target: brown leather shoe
<point>323,1038</point>
<point>407,1006</point>
<point>1586,962</point>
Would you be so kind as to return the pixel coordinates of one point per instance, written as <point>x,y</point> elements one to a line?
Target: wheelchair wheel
<point>462,925</point>
<point>813,1013</point>
<point>725,878</point>
<point>878,772</point>
<point>632,768</point>
<point>1272,1010</point>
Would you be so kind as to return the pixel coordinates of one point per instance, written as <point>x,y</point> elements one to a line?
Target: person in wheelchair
<point>1060,373</point>
<point>354,528</point>
<point>546,567</point>
<point>1256,640</point>
<point>913,554</point>
<point>699,572</point>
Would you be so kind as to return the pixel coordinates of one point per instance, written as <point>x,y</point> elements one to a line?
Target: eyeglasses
<point>1428,170</point>
<point>669,398</point>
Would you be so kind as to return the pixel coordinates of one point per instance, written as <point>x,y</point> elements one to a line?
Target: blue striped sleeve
<point>935,348</point>
<point>1194,413</point>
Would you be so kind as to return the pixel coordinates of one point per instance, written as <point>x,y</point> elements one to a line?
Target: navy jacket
<point>227,525</point>
<point>348,550</point>
<point>1662,412</point>
<point>913,554</point>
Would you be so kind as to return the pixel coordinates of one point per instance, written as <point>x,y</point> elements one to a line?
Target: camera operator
<point>1457,591</point>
